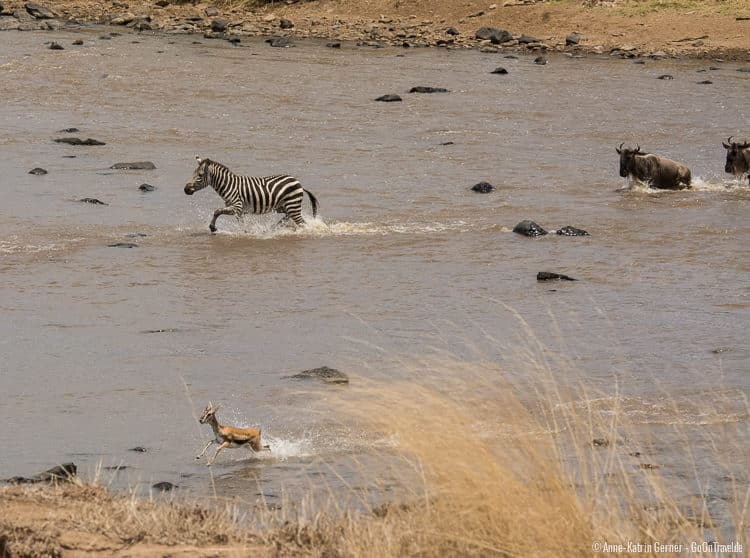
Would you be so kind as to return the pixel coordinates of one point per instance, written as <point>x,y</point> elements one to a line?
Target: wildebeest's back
<point>661,172</point>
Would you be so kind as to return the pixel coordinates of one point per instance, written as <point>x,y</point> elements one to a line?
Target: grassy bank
<point>498,477</point>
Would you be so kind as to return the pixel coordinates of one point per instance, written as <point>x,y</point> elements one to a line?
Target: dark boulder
<point>665,76</point>
<point>334,44</point>
<point>571,231</point>
<point>138,165</point>
<point>123,245</point>
<point>92,201</point>
<point>324,373</point>
<point>540,60</point>
<point>60,473</point>
<point>38,11</point>
<point>452,31</point>
<point>164,486</point>
<point>482,188</point>
<point>79,141</point>
<point>138,449</point>
<point>69,130</point>
<point>573,39</point>
<point>746,69</point>
<point>426,89</point>
<point>499,70</point>
<point>705,82</point>
<point>526,40</point>
<point>219,25</point>
<point>77,42</point>
<point>286,23</point>
<point>551,276</point>
<point>38,171</point>
<point>55,46</point>
<point>529,228</point>
<point>115,467</point>
<point>495,36</point>
<point>146,188</point>
<point>280,42</point>
<point>600,442</point>
<point>388,98</point>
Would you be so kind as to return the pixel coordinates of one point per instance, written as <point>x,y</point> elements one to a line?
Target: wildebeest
<point>657,172</point>
<point>738,157</point>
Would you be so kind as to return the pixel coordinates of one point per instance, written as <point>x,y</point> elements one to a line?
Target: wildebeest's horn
<point>619,149</point>
<point>637,148</point>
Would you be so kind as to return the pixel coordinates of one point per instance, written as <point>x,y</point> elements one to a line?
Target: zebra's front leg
<point>229,210</point>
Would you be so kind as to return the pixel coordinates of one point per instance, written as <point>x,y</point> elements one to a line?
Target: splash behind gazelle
<point>229,436</point>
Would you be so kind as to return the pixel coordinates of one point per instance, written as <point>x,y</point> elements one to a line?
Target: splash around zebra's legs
<point>218,213</point>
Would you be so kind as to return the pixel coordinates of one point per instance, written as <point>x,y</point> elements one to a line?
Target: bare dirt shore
<point>679,28</point>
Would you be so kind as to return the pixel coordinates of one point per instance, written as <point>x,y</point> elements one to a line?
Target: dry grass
<point>499,477</point>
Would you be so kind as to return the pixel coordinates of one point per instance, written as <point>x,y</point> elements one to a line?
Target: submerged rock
<point>426,89</point>
<point>146,188</point>
<point>389,98</point>
<point>540,60</point>
<point>571,231</point>
<point>69,131</point>
<point>55,46</point>
<point>92,201</point>
<point>324,373</point>
<point>334,44</point>
<point>38,171</point>
<point>499,70</point>
<point>551,276</point>
<point>164,486</point>
<point>482,188</point>
<point>529,228</point>
<point>123,245</point>
<point>665,76</point>
<point>60,473</point>
<point>79,141</point>
<point>138,449</point>
<point>138,165</point>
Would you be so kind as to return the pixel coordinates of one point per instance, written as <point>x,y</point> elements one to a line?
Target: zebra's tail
<point>313,201</point>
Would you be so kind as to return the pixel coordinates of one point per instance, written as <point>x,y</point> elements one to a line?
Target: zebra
<point>250,194</point>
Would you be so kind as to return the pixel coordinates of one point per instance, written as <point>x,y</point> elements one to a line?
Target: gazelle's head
<point>208,413</point>
<point>200,177</point>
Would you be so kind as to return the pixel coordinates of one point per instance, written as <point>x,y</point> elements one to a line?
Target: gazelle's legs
<point>204,449</point>
<point>221,447</point>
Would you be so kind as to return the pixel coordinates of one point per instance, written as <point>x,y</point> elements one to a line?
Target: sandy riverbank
<point>623,28</point>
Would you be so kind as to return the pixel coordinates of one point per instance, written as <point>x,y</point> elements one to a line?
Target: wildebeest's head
<point>627,159</point>
<point>200,177</point>
<point>737,161</point>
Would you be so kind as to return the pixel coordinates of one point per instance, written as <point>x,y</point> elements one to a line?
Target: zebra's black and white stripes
<point>250,194</point>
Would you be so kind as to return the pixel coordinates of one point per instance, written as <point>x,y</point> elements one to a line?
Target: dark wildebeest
<point>738,157</point>
<point>657,172</point>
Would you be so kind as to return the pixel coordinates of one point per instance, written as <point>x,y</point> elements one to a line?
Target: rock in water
<point>551,276</point>
<point>38,171</point>
<point>324,373</point>
<point>388,98</point>
<point>138,165</point>
<point>79,141</point>
<point>123,245</point>
<point>571,231</point>
<point>146,188</point>
<point>425,89</point>
<point>60,473</point>
<point>55,46</point>
<point>164,486</point>
<point>483,188</point>
<point>540,60</point>
<point>280,42</point>
<point>92,201</point>
<point>499,70</point>
<point>529,228</point>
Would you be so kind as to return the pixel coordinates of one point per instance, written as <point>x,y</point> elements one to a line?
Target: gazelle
<point>229,436</point>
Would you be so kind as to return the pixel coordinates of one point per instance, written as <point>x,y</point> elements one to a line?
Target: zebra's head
<point>200,177</point>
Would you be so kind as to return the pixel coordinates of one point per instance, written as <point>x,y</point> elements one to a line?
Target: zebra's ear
<point>197,158</point>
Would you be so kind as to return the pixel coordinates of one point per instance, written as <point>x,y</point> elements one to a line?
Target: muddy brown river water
<point>103,348</point>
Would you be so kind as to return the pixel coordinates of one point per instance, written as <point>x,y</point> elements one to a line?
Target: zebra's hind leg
<point>284,221</point>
